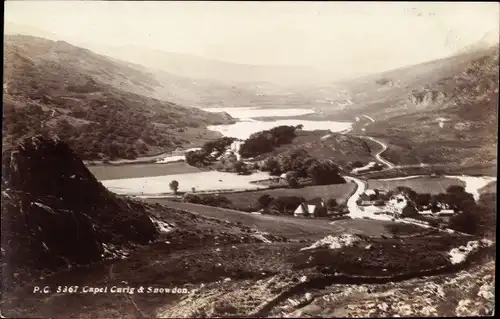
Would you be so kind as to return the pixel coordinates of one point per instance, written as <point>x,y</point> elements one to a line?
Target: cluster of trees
<point>477,218</point>
<point>265,141</point>
<point>202,158</point>
<point>287,204</point>
<point>209,200</point>
<point>279,205</point>
<point>299,164</point>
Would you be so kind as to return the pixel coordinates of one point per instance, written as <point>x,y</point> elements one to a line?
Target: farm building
<point>314,208</point>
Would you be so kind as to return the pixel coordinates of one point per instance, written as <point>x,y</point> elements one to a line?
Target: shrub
<point>285,204</point>
<point>264,201</point>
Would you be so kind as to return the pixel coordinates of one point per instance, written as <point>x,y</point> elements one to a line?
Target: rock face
<point>427,98</point>
<point>55,213</point>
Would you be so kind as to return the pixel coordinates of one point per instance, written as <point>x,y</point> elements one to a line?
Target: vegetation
<point>251,201</point>
<point>264,201</point>
<point>331,204</point>
<point>45,93</point>
<point>285,204</point>
<point>209,200</point>
<point>174,186</point>
<point>298,161</point>
<point>265,141</point>
<point>212,150</point>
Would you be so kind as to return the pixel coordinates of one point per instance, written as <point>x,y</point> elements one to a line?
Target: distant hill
<point>196,67</point>
<point>100,106</point>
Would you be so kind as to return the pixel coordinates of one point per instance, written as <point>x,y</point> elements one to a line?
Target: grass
<point>340,192</point>
<point>420,184</point>
<point>104,172</point>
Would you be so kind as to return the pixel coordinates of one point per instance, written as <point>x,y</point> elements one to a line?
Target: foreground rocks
<point>55,213</point>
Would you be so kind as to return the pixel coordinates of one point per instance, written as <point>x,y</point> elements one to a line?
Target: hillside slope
<point>454,119</point>
<point>99,105</point>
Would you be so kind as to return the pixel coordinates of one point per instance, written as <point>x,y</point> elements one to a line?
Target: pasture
<point>420,184</point>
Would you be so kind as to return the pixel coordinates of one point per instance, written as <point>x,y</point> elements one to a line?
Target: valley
<point>138,183</point>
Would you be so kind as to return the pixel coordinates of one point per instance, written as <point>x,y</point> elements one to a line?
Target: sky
<point>352,37</point>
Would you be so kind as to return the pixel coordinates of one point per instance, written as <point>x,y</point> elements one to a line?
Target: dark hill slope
<point>55,213</point>
<point>53,87</point>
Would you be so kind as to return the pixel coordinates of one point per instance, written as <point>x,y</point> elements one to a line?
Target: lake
<point>247,125</point>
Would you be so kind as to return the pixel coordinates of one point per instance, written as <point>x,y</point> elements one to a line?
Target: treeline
<point>265,141</point>
<point>299,164</point>
<point>281,205</point>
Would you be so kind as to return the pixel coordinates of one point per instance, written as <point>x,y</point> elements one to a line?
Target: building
<point>446,212</point>
<point>313,208</point>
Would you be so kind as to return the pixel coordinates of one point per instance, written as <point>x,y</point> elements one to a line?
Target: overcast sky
<point>348,36</point>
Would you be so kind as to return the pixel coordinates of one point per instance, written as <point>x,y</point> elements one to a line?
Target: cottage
<point>314,208</point>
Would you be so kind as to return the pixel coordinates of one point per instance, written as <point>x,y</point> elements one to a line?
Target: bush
<point>285,204</point>
<point>264,201</point>
<point>475,220</point>
<point>331,204</point>
<point>209,200</point>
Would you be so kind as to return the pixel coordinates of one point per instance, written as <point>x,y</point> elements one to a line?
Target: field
<point>419,184</point>
<point>105,172</point>
<point>340,192</point>
<point>199,180</point>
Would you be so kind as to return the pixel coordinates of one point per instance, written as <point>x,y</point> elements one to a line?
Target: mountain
<point>196,67</point>
<point>452,119</point>
<point>103,107</point>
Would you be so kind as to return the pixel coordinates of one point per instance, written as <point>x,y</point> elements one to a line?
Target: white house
<point>314,208</point>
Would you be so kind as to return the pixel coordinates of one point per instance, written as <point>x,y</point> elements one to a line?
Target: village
<point>396,204</point>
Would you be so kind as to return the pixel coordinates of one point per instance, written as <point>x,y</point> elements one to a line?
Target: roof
<point>370,192</point>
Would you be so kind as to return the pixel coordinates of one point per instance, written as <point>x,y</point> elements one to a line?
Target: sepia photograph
<point>213,159</point>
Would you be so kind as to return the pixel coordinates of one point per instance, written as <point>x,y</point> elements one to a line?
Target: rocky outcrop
<point>55,213</point>
<point>426,98</point>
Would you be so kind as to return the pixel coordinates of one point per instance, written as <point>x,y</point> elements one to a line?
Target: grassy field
<point>338,191</point>
<point>420,184</point>
<point>104,172</point>
<point>439,169</point>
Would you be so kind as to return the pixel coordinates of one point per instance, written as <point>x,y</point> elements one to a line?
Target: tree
<point>412,195</point>
<point>174,186</point>
<point>272,166</point>
<point>241,168</point>
<point>331,204</point>
<point>264,201</point>
<point>291,179</point>
<point>324,172</point>
<point>459,199</point>
<point>423,199</point>
<point>476,220</point>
